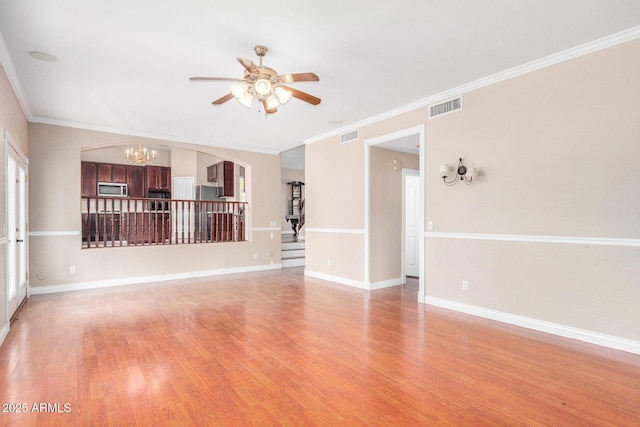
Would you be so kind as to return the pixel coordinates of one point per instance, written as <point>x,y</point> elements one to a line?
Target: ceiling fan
<point>264,84</point>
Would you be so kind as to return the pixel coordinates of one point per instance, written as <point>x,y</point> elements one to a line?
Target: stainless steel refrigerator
<point>204,192</point>
<point>207,192</point>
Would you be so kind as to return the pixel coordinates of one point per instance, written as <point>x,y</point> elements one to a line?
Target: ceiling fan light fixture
<point>246,100</point>
<point>239,90</point>
<point>264,84</point>
<point>283,95</point>
<point>272,102</point>
<point>262,87</point>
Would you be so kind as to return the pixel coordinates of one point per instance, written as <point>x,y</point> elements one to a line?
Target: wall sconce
<point>462,174</point>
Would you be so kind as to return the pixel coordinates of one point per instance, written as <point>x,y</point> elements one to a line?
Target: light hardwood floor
<point>276,348</point>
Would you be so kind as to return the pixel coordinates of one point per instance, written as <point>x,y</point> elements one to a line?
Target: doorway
<point>16,219</point>
<point>377,264</point>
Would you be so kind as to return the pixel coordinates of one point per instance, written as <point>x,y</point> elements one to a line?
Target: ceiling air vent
<point>445,107</point>
<point>349,136</point>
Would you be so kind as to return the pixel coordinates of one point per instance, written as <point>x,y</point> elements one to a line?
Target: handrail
<point>128,221</point>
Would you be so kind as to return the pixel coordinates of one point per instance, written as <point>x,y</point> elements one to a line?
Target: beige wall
<point>13,120</point>
<point>334,209</point>
<point>55,207</point>
<point>557,150</point>
<point>554,147</point>
<point>385,212</point>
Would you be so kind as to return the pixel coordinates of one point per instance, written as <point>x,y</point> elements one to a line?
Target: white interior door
<point>16,230</point>
<point>411,184</point>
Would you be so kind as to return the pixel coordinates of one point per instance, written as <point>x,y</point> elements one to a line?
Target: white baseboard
<point>370,286</point>
<point>386,283</point>
<point>41,290</point>
<point>4,332</point>
<point>337,279</point>
<point>617,343</point>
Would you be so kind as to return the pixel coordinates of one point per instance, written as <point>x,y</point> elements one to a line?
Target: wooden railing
<point>110,222</point>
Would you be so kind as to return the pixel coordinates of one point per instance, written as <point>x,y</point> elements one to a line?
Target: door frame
<point>415,130</point>
<point>8,143</point>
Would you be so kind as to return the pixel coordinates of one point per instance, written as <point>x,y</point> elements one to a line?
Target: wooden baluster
<point>189,225</point>
<point>85,225</point>
<point>149,226</point>
<point>125,218</point>
<point>95,223</point>
<point>119,221</point>
<point>136,225</point>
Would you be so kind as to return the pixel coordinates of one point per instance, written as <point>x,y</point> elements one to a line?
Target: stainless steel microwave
<point>112,189</point>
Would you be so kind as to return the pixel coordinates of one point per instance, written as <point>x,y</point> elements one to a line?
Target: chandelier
<point>141,155</point>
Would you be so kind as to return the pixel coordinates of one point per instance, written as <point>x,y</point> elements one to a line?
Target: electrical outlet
<point>329,262</point>
<point>72,269</point>
<point>430,225</point>
<point>465,285</point>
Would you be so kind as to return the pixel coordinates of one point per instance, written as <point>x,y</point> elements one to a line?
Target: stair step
<point>294,253</point>
<point>292,245</point>
<point>293,262</point>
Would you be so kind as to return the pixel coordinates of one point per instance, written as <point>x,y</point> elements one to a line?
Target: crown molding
<point>149,135</point>
<point>581,50</point>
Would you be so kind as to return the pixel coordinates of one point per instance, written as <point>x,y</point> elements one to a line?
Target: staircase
<point>292,251</point>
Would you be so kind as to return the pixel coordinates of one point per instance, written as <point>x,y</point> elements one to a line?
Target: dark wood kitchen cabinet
<point>112,172</point>
<point>89,178</point>
<point>158,178</point>
<point>139,179</point>
<point>212,173</point>
<point>94,172</point>
<point>135,181</point>
<point>223,174</point>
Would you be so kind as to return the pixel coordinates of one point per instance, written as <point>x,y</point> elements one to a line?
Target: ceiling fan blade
<point>249,65</point>
<point>298,77</point>
<point>215,79</point>
<point>223,99</point>
<point>267,109</point>
<point>303,96</point>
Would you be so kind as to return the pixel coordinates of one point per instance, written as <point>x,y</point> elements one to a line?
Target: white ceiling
<point>124,65</point>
